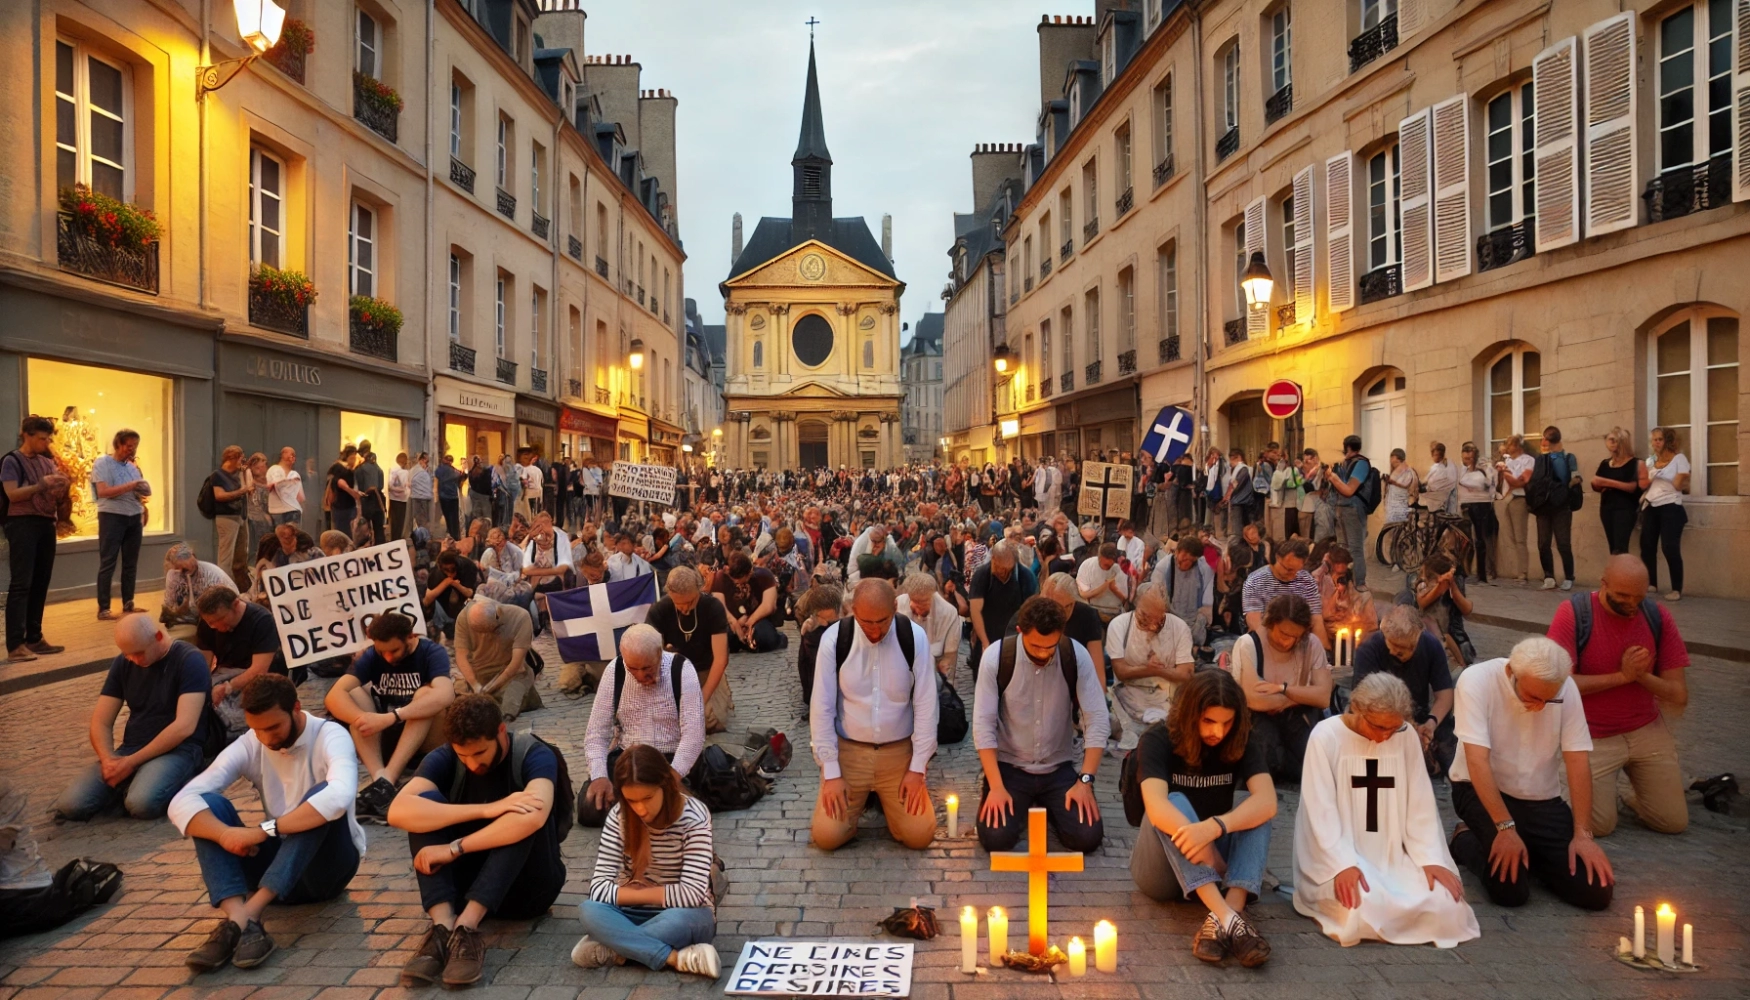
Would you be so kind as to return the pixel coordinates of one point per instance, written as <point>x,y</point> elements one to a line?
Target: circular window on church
<point>812,340</point>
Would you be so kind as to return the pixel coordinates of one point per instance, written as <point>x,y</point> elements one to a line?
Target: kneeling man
<point>479,821</point>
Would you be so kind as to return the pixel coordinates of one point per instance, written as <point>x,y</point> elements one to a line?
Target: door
<point>1385,413</point>
<point>811,445</point>
<point>257,423</point>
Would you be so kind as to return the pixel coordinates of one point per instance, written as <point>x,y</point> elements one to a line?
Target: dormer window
<point>1075,103</point>
<point>1109,57</point>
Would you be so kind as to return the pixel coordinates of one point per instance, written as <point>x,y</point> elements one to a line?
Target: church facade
<point>812,310</point>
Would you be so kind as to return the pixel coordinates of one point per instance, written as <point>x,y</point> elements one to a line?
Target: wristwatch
<point>1505,825</point>
<point>1086,778</point>
<point>1284,689</point>
<point>271,827</point>
<point>456,847</point>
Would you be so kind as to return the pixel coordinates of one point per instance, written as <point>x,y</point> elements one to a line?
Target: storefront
<point>60,359</point>
<point>1036,433</point>
<point>665,442</point>
<point>475,421</point>
<point>536,427</point>
<point>1104,421</point>
<point>582,432</point>
<point>634,438</point>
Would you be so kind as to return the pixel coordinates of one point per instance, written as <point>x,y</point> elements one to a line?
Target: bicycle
<point>1405,545</point>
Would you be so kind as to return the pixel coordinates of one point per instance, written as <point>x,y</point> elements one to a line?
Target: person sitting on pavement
<point>479,824</point>
<point>923,603</point>
<point>186,578</point>
<point>626,563</point>
<point>158,678</point>
<point>651,900</point>
<point>1287,575</point>
<point>1403,648</point>
<point>1194,841</point>
<point>240,643</point>
<point>494,656</point>
<point>818,607</point>
<point>456,579</point>
<point>390,700</point>
<point>306,851</point>
<point>1438,592</point>
<point>872,719</point>
<point>694,624</point>
<point>1521,726</point>
<point>636,704</point>
<point>1025,731</point>
<point>1627,677</point>
<point>750,595</point>
<point>1289,690</point>
<point>1151,656</point>
<point>1345,605</point>
<point>1188,584</point>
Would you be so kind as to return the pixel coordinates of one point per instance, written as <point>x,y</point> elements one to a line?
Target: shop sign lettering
<point>280,370</point>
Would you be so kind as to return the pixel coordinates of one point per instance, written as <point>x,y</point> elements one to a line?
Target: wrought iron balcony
<point>84,253</point>
<point>1030,396</point>
<point>574,247</point>
<point>640,294</point>
<point>372,340</point>
<point>1228,144</point>
<point>1091,375</point>
<point>1045,388</point>
<point>506,204</point>
<point>1164,170</point>
<point>1381,283</point>
<point>507,371</point>
<point>1027,282</point>
<point>601,267</point>
<point>538,224</point>
<point>1015,297</point>
<point>1125,201</point>
<point>1679,192</point>
<point>1279,104</point>
<point>603,396</point>
<point>1507,245</point>
<point>273,312</point>
<point>574,388</point>
<point>1373,43</point>
<point>1127,363</point>
<point>461,175</point>
<point>537,380</point>
<point>461,358</point>
<point>1068,250</point>
<point>1091,229</point>
<point>1169,349</point>
<point>1234,332</point>
<point>372,111</point>
<point>1044,269</point>
<point>1067,381</point>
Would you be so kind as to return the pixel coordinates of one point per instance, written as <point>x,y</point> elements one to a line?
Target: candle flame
<point>1342,633</point>
<point>953,800</point>
<point>1076,942</point>
<point>997,911</point>
<point>1665,910</point>
<point>968,913</point>
<point>1106,924</point>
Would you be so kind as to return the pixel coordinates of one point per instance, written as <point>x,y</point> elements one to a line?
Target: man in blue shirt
<point>1346,480</point>
<point>390,699</point>
<point>1403,648</point>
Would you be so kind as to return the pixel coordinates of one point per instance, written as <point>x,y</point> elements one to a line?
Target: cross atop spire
<point>811,22</point>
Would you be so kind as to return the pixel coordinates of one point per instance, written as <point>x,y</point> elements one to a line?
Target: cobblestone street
<point>352,948</point>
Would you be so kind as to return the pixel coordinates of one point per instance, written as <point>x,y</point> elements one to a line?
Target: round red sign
<point>1282,399</point>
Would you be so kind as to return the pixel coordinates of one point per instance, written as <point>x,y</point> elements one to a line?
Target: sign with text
<point>1105,490</point>
<point>650,483</point>
<point>322,607</point>
<point>786,968</point>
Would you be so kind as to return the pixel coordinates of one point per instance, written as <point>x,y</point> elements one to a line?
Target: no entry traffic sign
<point>1282,400</point>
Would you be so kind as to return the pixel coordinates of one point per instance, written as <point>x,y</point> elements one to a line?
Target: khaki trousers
<point>867,768</point>
<point>1512,557</point>
<point>719,706</point>
<point>1648,756</point>
<point>518,695</point>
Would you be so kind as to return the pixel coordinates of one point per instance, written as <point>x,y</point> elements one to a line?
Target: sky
<point>908,88</point>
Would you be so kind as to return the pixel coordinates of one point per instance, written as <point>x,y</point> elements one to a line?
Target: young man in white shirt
<point>1518,720</point>
<point>308,849</point>
<point>924,605</point>
<point>285,489</point>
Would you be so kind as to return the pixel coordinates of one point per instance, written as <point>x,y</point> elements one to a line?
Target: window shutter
<point>1451,121</point>
<point>1257,320</point>
<point>1304,299</point>
<point>1412,16</point>
<point>1413,149</point>
<point>1611,173</point>
<point>1555,89</point>
<point>1339,231</point>
<point>1741,100</point>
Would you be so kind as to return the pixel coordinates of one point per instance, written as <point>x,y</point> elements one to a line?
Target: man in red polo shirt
<point>1625,676</point>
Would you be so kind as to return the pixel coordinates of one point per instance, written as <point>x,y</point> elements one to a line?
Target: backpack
<point>1581,604</point>
<point>1130,784</point>
<point>725,784</point>
<point>23,470</point>
<point>206,501</point>
<point>951,724</point>
<point>1261,476</point>
<point>564,796</point>
<point>1546,491</point>
<point>1066,659</point>
<point>1369,490</point>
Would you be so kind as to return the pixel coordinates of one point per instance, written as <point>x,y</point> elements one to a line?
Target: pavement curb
<point>1732,653</point>
<point>13,685</point>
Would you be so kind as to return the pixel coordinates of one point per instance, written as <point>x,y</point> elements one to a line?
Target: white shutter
<point>1555,86</point>
<point>1257,320</point>
<point>1304,272</point>
<point>1340,231</point>
<point>1741,100</point>
<point>1415,210</point>
<point>1611,174</point>
<point>1451,120</point>
<point>1412,16</point>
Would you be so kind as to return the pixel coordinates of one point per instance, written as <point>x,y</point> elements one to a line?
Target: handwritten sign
<point>322,607</point>
<point>651,483</point>
<point>1105,490</point>
<point>821,969</point>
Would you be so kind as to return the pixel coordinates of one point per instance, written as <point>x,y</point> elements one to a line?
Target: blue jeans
<point>146,794</point>
<point>343,518</point>
<point>516,882</point>
<point>294,518</point>
<point>307,867</point>
<point>645,934</point>
<point>1157,867</point>
<point>1352,532</point>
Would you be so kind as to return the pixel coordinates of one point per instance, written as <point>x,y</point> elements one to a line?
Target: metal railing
<point>461,175</point>
<point>1373,43</point>
<point>603,396</point>
<point>272,312</point>
<point>1045,388</point>
<point>1228,144</point>
<point>538,224</point>
<point>1164,170</point>
<point>601,267</point>
<point>1234,332</point>
<point>1169,349</point>
<point>83,253</point>
<point>1015,297</point>
<point>1044,269</point>
<point>640,294</point>
<point>1030,396</point>
<point>1279,104</point>
<point>574,246</point>
<point>1068,249</point>
<point>1027,282</point>
<point>507,371</point>
<point>1127,363</point>
<point>574,388</point>
<point>1125,201</point>
<point>538,379</point>
<point>1091,374</point>
<point>461,358</point>
<point>372,112</point>
<point>1067,381</point>
<point>1381,283</point>
<point>371,340</point>
<point>1285,314</point>
<point>1679,192</point>
<point>1091,229</point>
<point>506,204</point>
<point>1507,245</point>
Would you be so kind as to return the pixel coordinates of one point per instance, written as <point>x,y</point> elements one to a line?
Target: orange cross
<point>1038,865</point>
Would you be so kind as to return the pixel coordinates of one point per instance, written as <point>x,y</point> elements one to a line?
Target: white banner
<point>323,607</point>
<point>786,968</point>
<point>651,483</point>
<point>1105,490</point>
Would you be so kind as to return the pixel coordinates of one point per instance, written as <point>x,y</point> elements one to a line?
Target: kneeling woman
<point>650,897</point>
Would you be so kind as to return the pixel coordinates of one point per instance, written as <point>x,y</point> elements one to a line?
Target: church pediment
<point>809,265</point>
<point>814,390</point>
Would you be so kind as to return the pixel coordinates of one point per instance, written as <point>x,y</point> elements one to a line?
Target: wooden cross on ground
<point>1038,865</point>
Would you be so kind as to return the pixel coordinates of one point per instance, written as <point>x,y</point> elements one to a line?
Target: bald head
<point>483,614</point>
<point>140,639</point>
<point>875,597</point>
<point>1623,586</point>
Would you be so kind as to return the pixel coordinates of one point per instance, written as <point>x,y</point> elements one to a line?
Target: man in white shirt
<point>625,564</point>
<point>924,605</point>
<point>1151,656</point>
<point>400,485</point>
<point>533,482</point>
<point>285,489</point>
<point>637,703</point>
<point>1518,721</point>
<point>1102,584</point>
<point>1130,544</point>
<point>873,723</point>
<point>308,849</point>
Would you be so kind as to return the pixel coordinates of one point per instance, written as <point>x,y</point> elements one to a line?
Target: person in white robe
<point>1151,656</point>
<point>1370,857</point>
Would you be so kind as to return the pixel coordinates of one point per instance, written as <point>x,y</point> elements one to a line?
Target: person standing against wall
<point>121,491</point>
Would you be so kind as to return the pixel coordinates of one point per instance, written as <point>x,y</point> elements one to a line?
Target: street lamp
<point>1257,283</point>
<point>637,356</point>
<point>258,24</point>
<point>1001,358</point>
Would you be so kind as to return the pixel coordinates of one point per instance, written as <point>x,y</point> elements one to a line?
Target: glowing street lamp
<point>1257,283</point>
<point>637,357</point>
<point>259,23</point>
<point>1001,358</point>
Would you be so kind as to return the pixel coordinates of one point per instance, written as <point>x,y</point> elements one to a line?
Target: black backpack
<point>564,796</point>
<point>724,783</point>
<point>1130,784</point>
<point>23,470</point>
<point>205,501</point>
<point>1369,490</point>
<point>1066,660</point>
<point>1545,492</point>
<point>619,669</point>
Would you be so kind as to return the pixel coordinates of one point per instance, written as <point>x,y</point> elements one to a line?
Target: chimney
<point>560,25</point>
<point>992,164</point>
<point>1062,39</point>
<point>887,237</point>
<point>735,240</point>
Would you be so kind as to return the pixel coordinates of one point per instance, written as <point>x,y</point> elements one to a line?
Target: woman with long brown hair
<point>650,896</point>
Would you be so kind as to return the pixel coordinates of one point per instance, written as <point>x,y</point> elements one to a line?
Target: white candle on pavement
<point>953,817</point>
<point>1078,957</point>
<point>1105,946</point>
<point>968,940</point>
<point>1667,918</point>
<point>1640,940</point>
<point>1688,944</point>
<point>998,922</point>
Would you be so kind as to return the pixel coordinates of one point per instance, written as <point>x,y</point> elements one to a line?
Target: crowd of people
<point>1214,620</point>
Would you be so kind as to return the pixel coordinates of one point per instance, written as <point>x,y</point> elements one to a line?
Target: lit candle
<point>1667,918</point>
<point>1356,644</point>
<point>1078,957</point>
<point>1688,944</point>
<point>999,935</point>
<point>1105,946</point>
<point>968,940</point>
<point>953,817</point>
<point>1640,941</point>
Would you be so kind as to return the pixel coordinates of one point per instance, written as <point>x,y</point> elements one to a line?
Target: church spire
<point>812,166</point>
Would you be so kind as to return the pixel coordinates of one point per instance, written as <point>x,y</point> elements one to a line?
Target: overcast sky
<point>908,87</point>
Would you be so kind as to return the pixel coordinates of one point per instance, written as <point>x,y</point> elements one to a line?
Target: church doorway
<point>811,445</point>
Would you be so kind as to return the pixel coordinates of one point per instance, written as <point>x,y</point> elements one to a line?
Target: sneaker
<point>1246,944</point>
<point>1674,597</point>
<point>1549,583</point>
<point>106,615</point>
<point>427,964</point>
<point>372,805</point>
<point>1567,585</point>
<point>217,949</point>
<point>698,959</point>
<point>592,954</point>
<point>44,648</point>
<point>20,654</point>
<point>467,959</point>
<point>1206,943</point>
<point>253,947</point>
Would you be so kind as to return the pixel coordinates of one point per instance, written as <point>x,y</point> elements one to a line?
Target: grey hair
<point>1401,623</point>
<point>683,580</point>
<point>913,584</point>
<point>1381,693</point>
<point>1060,583</point>
<point>181,552</point>
<point>482,606</point>
<point>1004,550</point>
<point>1151,592</point>
<point>1541,658</point>
<point>641,642</point>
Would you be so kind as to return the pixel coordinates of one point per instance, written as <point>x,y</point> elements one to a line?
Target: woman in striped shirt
<point>650,896</point>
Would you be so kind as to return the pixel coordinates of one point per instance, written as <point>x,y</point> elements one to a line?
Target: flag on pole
<point>587,621</point>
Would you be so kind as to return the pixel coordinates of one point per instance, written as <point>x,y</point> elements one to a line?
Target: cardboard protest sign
<point>322,607</point>
<point>650,483</point>
<point>784,968</point>
<point>1105,490</point>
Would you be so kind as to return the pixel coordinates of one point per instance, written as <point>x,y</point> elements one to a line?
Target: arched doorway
<point>811,444</point>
